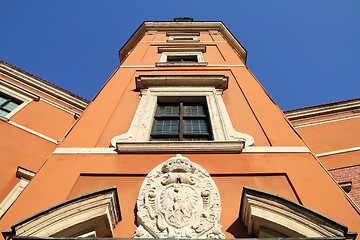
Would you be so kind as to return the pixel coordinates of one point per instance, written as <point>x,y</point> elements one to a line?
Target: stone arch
<point>90,215</point>
<point>267,215</point>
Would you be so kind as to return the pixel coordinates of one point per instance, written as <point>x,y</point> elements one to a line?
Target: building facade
<point>182,142</point>
<point>330,130</point>
<point>35,116</point>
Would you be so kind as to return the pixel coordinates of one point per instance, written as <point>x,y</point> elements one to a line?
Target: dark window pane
<point>2,100</point>
<point>196,126</point>
<point>10,106</point>
<point>182,58</point>
<point>166,127</point>
<point>3,113</point>
<point>194,111</point>
<point>7,104</point>
<point>168,110</point>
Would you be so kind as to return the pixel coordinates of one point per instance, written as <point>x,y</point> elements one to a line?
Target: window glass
<point>181,121</point>
<point>8,104</point>
<point>195,126</point>
<point>168,110</point>
<point>182,58</point>
<point>194,110</point>
<point>166,127</point>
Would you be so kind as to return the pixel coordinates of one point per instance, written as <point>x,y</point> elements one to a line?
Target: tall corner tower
<point>182,141</point>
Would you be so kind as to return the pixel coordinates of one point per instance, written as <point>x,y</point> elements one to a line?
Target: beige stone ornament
<point>178,199</point>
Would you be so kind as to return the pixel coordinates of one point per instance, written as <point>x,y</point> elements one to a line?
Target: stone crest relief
<point>178,199</point>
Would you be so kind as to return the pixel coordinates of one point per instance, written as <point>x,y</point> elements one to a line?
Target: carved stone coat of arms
<point>178,199</point>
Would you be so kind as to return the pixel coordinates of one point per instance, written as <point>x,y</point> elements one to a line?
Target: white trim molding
<point>216,81</point>
<point>98,211</point>
<point>85,151</point>
<point>338,152</point>
<point>25,177</point>
<point>33,132</point>
<point>276,149</point>
<point>261,210</point>
<point>326,121</point>
<point>181,147</point>
<point>223,146</point>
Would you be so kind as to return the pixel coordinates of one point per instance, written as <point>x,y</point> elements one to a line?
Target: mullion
<point>181,122</point>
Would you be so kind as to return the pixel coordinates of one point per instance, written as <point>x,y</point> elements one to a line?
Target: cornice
<point>187,27</point>
<point>323,110</point>
<point>43,86</point>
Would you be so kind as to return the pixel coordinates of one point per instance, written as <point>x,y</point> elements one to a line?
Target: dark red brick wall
<point>349,174</point>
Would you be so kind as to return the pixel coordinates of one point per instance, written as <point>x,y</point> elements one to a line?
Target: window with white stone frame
<point>181,59</point>
<point>13,99</point>
<point>182,36</point>
<point>193,89</point>
<point>181,56</point>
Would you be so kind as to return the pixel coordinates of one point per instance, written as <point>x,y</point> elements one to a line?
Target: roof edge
<point>323,109</point>
<point>42,85</point>
<point>182,26</point>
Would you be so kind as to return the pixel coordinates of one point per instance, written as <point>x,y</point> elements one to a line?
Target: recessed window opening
<point>181,119</point>
<point>183,38</point>
<point>182,58</point>
<point>8,104</point>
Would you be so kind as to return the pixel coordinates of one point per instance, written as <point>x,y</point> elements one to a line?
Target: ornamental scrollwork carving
<point>178,199</point>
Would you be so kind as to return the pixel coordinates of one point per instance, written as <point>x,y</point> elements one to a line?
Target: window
<point>203,126</point>
<point>8,104</point>
<point>181,59</point>
<point>182,121</point>
<point>13,99</point>
<point>183,36</point>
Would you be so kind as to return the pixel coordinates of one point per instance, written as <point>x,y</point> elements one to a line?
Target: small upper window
<point>182,58</point>
<point>182,121</point>
<point>8,104</point>
<point>183,36</point>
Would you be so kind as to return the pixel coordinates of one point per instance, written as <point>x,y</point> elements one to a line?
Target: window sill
<point>181,147</point>
<point>180,64</point>
<point>3,118</point>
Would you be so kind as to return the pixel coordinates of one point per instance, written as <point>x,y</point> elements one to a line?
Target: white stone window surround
<point>225,137</point>
<point>183,39</point>
<point>183,36</point>
<point>163,62</point>
<point>17,93</point>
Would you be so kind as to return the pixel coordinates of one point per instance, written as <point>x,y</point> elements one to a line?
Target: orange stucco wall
<point>294,176</point>
<point>331,136</point>
<point>45,119</point>
<point>22,149</point>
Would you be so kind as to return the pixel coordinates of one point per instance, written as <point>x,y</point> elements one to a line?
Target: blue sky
<point>303,52</point>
